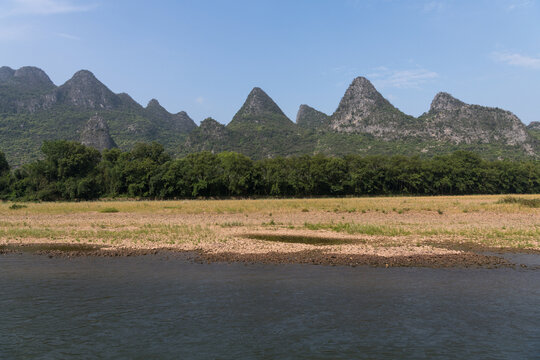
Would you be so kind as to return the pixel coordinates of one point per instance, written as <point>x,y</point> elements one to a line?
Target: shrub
<point>533,203</point>
<point>109,210</point>
<point>17,207</point>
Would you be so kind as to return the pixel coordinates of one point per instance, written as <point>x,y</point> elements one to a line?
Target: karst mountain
<point>33,109</point>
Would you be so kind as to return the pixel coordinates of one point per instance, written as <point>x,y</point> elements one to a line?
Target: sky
<point>204,57</point>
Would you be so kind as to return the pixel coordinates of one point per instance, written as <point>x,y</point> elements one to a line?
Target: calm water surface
<point>149,307</point>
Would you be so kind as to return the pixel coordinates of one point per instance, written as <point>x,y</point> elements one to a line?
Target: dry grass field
<point>382,226</point>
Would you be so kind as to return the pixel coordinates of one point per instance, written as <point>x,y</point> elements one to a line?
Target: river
<point>157,307</point>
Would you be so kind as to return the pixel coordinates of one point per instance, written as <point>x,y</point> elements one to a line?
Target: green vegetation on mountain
<point>22,86</point>
<point>309,118</point>
<point>364,110</point>
<point>34,110</point>
<point>259,130</point>
<point>366,123</point>
<point>534,129</point>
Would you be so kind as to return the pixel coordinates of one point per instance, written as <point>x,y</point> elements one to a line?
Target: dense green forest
<point>71,171</point>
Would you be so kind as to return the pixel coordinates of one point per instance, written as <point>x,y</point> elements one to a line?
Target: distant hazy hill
<point>33,109</point>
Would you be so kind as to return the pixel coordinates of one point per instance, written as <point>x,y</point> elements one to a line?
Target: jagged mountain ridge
<point>260,110</point>
<point>179,122</point>
<point>366,122</point>
<point>364,110</point>
<point>257,103</point>
<point>23,88</point>
<point>33,109</point>
<point>259,129</point>
<point>26,76</point>
<point>453,120</point>
<point>85,91</point>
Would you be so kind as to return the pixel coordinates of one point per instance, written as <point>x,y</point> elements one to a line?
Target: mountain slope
<point>309,118</point>
<point>259,110</point>
<point>178,123</point>
<point>24,89</point>
<point>259,129</point>
<point>364,110</point>
<point>535,126</point>
<point>450,124</point>
<point>454,121</point>
<point>33,109</point>
<point>534,130</point>
<point>84,91</point>
<point>96,134</point>
<point>209,136</point>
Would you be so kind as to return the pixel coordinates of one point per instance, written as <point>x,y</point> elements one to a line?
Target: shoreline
<point>467,231</point>
<point>311,257</point>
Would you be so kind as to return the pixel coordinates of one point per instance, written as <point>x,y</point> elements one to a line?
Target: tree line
<point>72,171</point>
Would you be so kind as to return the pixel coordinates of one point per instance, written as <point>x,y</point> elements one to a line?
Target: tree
<point>5,180</point>
<point>4,166</point>
<point>236,175</point>
<point>70,159</point>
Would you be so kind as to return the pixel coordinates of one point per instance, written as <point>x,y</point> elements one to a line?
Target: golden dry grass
<point>382,225</point>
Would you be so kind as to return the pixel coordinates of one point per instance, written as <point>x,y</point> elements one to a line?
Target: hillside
<point>366,123</point>
<point>363,110</point>
<point>451,120</point>
<point>34,109</point>
<point>310,118</point>
<point>534,129</point>
<point>259,129</point>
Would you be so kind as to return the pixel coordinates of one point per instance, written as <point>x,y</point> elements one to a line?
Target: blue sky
<point>205,56</point>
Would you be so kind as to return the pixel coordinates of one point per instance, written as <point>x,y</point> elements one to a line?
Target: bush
<point>109,210</point>
<point>533,203</point>
<point>17,207</point>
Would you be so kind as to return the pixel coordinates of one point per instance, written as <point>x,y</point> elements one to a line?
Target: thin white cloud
<point>434,6</point>
<point>42,7</point>
<point>68,36</point>
<point>199,100</point>
<point>520,4</point>
<point>412,78</point>
<point>516,59</point>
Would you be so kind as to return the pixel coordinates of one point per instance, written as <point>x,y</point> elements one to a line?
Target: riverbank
<point>385,232</point>
<point>313,257</point>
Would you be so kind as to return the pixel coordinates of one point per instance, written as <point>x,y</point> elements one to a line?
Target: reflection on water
<point>149,307</point>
